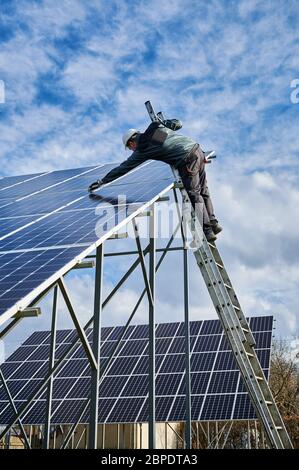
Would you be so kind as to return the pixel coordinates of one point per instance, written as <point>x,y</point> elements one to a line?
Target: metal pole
<point>74,343</point>
<point>124,278</point>
<point>71,348</point>
<point>152,366</point>
<point>79,328</point>
<point>134,252</point>
<point>96,343</point>
<point>188,430</point>
<point>217,435</point>
<point>10,398</point>
<point>188,435</point>
<point>30,435</point>
<point>46,440</point>
<point>142,262</point>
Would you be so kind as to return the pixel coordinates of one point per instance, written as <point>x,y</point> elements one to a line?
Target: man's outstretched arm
<point>134,160</point>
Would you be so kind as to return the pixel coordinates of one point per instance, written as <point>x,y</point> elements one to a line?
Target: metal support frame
<point>188,426</point>
<point>114,351</point>
<point>15,409</point>
<point>142,262</point>
<point>80,330</point>
<point>93,353</point>
<point>152,325</point>
<point>188,434</point>
<point>96,343</point>
<point>46,440</point>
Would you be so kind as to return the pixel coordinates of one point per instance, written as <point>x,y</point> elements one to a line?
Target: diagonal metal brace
<point>142,262</point>
<point>80,330</point>
<point>14,408</point>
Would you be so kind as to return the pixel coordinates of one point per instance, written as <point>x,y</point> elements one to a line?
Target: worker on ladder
<point>162,143</point>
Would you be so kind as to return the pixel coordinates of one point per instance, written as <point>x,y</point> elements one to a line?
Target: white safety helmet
<point>128,135</point>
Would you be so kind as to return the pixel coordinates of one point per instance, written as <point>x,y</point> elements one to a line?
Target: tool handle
<point>154,117</point>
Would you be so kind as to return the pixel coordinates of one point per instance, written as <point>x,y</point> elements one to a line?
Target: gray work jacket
<point>173,150</point>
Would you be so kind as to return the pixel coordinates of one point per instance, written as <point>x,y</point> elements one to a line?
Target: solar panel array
<point>217,390</point>
<point>47,220</point>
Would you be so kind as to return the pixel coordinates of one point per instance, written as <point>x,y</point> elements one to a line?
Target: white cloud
<point>90,78</point>
<point>225,75</point>
<point>264,181</point>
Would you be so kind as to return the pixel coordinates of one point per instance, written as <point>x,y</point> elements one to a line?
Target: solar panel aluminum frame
<point>164,253</point>
<point>38,291</point>
<point>52,281</point>
<point>58,275</point>
<point>178,332</point>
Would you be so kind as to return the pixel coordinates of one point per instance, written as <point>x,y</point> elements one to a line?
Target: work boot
<point>216,227</point>
<point>210,235</point>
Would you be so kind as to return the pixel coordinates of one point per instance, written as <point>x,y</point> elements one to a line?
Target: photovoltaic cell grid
<point>217,390</point>
<point>48,221</point>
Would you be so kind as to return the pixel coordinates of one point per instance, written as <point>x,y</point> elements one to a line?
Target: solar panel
<point>217,390</point>
<point>48,222</point>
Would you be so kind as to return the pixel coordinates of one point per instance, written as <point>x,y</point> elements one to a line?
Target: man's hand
<point>95,186</point>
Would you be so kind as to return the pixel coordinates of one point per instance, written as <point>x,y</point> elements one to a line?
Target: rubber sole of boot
<point>211,237</point>
<point>217,229</point>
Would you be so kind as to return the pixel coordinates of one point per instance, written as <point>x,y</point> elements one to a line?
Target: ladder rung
<point>211,245</point>
<point>228,286</point>
<point>236,307</point>
<point>269,402</point>
<point>259,378</point>
<point>250,354</point>
<point>279,428</point>
<point>219,265</point>
<point>245,330</point>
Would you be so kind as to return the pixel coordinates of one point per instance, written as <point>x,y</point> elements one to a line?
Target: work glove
<point>95,185</point>
<point>173,124</point>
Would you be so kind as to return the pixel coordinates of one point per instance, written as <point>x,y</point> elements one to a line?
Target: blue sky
<point>77,74</point>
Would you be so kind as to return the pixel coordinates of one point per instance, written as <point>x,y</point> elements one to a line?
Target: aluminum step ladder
<point>233,320</point>
<point>237,330</point>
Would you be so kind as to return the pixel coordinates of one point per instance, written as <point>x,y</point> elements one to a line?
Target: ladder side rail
<point>207,262</point>
<point>230,324</point>
<point>240,354</point>
<point>271,421</point>
<point>232,294</point>
<point>238,333</point>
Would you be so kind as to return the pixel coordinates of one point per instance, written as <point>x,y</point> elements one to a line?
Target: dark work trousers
<point>193,175</point>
